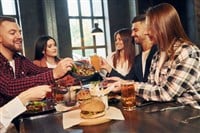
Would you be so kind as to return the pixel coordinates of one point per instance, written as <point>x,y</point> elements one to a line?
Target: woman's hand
<point>113,79</point>
<point>116,82</point>
<point>104,65</point>
<point>117,86</point>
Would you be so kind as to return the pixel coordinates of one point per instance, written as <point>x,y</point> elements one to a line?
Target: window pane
<point>8,7</point>
<point>101,52</point>
<point>97,8</point>
<point>85,8</point>
<point>72,7</point>
<point>89,52</point>
<point>75,32</point>
<point>100,22</point>
<point>87,27</point>
<point>100,38</point>
<point>77,54</point>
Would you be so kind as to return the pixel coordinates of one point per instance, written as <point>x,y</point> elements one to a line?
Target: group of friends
<point>166,69</point>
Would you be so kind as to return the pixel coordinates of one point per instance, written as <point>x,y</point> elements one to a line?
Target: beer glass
<point>95,61</point>
<point>128,98</point>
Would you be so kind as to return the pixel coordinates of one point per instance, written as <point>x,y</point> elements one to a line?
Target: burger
<point>83,95</point>
<point>92,108</point>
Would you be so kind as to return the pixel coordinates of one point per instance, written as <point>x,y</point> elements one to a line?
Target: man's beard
<point>13,48</point>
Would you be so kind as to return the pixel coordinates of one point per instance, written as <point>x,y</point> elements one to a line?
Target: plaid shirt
<point>179,79</point>
<point>26,75</point>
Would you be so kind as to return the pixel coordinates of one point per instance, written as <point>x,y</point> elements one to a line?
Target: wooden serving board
<point>96,121</point>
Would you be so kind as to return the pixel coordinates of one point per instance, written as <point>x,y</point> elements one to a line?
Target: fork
<point>187,120</point>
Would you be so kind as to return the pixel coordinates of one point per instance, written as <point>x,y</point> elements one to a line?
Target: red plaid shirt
<point>26,76</point>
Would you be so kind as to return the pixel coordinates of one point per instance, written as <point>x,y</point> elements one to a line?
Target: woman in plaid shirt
<point>175,69</point>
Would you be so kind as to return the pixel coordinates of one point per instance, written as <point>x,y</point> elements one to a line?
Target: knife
<point>165,109</point>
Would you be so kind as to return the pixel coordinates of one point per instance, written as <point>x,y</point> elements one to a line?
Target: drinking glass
<point>128,98</point>
<point>70,96</point>
<point>58,93</point>
<point>95,61</point>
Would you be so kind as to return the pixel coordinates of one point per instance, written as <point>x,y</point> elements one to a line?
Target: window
<point>10,8</point>
<point>82,15</point>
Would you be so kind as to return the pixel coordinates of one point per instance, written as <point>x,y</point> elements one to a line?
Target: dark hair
<point>41,45</point>
<point>7,18</point>
<point>129,50</point>
<point>138,18</point>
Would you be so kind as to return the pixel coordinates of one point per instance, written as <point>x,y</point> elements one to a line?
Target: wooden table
<point>137,121</point>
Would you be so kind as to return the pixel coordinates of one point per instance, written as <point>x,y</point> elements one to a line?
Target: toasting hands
<point>104,65</point>
<point>62,68</point>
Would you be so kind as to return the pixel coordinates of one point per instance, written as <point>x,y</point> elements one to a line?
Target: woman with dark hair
<point>122,59</point>
<point>46,56</point>
<point>175,68</point>
<point>46,52</point>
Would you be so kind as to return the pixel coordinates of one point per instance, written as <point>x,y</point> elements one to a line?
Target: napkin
<point>73,118</point>
<point>61,107</point>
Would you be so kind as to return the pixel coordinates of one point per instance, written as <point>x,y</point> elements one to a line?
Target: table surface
<point>139,120</point>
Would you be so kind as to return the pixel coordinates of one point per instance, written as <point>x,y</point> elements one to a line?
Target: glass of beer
<point>95,61</point>
<point>128,98</point>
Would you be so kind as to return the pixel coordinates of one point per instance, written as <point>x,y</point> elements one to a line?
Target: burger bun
<point>92,108</point>
<point>83,95</point>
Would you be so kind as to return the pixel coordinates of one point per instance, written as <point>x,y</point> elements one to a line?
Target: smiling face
<point>138,29</point>
<point>10,37</point>
<point>51,49</point>
<point>119,44</point>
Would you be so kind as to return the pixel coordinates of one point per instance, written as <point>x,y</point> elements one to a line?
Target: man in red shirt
<point>18,73</point>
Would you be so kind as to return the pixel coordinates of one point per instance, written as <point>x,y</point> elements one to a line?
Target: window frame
<point>80,18</point>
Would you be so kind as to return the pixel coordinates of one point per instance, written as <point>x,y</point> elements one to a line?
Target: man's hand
<point>62,68</point>
<point>34,93</point>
